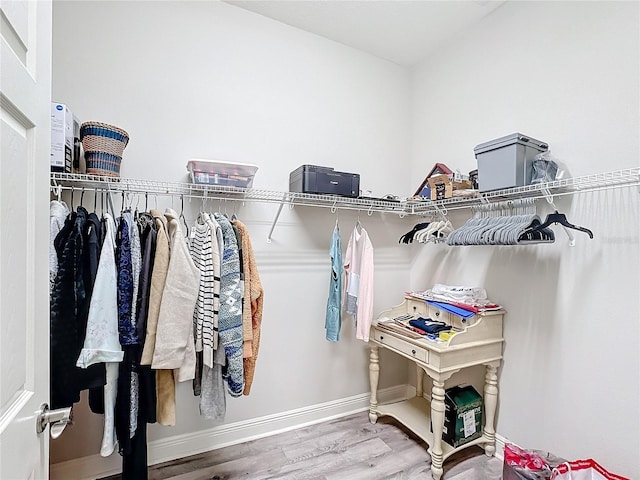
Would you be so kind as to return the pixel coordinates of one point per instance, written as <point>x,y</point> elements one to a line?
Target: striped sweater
<point>203,314</point>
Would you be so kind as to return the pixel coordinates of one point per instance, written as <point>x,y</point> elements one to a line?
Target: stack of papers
<point>464,310</point>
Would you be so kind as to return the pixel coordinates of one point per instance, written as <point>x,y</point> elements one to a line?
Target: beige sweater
<point>253,300</point>
<point>174,338</point>
<point>158,278</point>
<point>165,385</point>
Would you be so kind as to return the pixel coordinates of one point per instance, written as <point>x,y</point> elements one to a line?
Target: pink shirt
<point>358,268</point>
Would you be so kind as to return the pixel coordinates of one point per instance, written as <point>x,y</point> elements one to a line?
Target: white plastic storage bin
<point>226,174</point>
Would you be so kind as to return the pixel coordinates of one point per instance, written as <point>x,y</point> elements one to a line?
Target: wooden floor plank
<point>348,448</point>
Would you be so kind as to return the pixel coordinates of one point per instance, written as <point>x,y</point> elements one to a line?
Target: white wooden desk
<point>479,343</point>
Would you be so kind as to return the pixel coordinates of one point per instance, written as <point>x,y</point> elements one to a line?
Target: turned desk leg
<point>419,377</point>
<point>374,373</point>
<point>490,403</point>
<point>437,421</point>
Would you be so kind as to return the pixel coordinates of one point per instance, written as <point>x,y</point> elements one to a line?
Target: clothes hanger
<point>136,213</point>
<point>184,220</point>
<point>409,236</point>
<point>531,236</point>
<point>443,232</point>
<point>123,204</point>
<point>560,218</point>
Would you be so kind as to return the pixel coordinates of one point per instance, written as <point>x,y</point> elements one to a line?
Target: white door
<point>25,96</point>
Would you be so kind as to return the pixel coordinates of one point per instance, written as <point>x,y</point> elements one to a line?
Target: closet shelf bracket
<point>275,220</point>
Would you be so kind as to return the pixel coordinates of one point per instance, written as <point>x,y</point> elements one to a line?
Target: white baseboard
<point>179,446</point>
<point>500,443</point>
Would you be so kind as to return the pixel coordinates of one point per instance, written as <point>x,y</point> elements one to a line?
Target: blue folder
<point>447,307</point>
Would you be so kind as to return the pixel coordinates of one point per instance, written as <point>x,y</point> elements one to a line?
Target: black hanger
<point>531,234</point>
<point>561,218</point>
<point>408,237</point>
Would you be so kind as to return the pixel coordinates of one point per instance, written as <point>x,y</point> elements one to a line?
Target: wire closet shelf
<point>595,182</point>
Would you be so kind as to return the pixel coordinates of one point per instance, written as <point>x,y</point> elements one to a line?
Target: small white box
<point>63,127</point>
<point>226,174</point>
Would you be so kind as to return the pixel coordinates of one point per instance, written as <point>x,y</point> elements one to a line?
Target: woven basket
<point>103,146</point>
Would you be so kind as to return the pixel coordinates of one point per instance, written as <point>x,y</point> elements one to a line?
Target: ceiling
<point>401,31</point>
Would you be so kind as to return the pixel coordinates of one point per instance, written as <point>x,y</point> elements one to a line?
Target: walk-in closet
<point>244,83</point>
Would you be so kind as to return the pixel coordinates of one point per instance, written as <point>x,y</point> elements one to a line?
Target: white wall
<point>565,73</point>
<point>209,80</point>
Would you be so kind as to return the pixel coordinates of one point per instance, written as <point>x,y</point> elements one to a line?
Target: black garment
<point>134,450</point>
<point>69,309</point>
<point>148,238</point>
<point>147,377</point>
<point>127,368</point>
<point>94,236</point>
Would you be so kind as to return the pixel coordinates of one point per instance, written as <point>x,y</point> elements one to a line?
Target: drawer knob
<point>381,337</point>
<point>413,352</point>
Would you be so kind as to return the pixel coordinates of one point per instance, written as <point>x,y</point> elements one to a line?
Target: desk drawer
<point>407,348</point>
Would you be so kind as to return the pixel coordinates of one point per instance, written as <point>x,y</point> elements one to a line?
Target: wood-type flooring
<point>348,448</point>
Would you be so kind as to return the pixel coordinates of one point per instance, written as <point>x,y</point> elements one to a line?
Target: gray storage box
<point>506,162</point>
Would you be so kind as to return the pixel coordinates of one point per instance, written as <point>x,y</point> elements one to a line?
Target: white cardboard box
<point>63,127</point>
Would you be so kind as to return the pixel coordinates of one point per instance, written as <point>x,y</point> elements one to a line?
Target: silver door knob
<point>58,419</point>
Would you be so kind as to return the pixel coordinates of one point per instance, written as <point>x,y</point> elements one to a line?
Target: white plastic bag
<point>583,470</point>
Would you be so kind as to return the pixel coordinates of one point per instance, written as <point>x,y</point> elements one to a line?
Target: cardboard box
<point>441,187</point>
<point>463,415</point>
<point>506,162</point>
<point>63,146</point>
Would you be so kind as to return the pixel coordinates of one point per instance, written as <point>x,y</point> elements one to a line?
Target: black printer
<point>324,181</point>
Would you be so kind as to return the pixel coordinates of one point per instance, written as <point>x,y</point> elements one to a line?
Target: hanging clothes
<point>165,382</point>
<point>68,315</point>
<point>230,317</point>
<point>212,390</point>
<point>148,240</point>
<point>246,313</point>
<point>174,347</point>
<point>101,343</point>
<point>126,401</point>
<point>252,305</point>
<point>201,251</point>
<point>58,212</point>
<point>358,267</point>
<point>333,320</point>
<point>217,250</point>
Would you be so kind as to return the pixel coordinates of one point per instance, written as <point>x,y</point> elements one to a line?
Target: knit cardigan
<point>174,337</point>
<point>230,317</point>
<point>252,308</point>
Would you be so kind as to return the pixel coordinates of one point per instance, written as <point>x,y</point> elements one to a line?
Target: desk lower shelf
<point>415,413</point>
